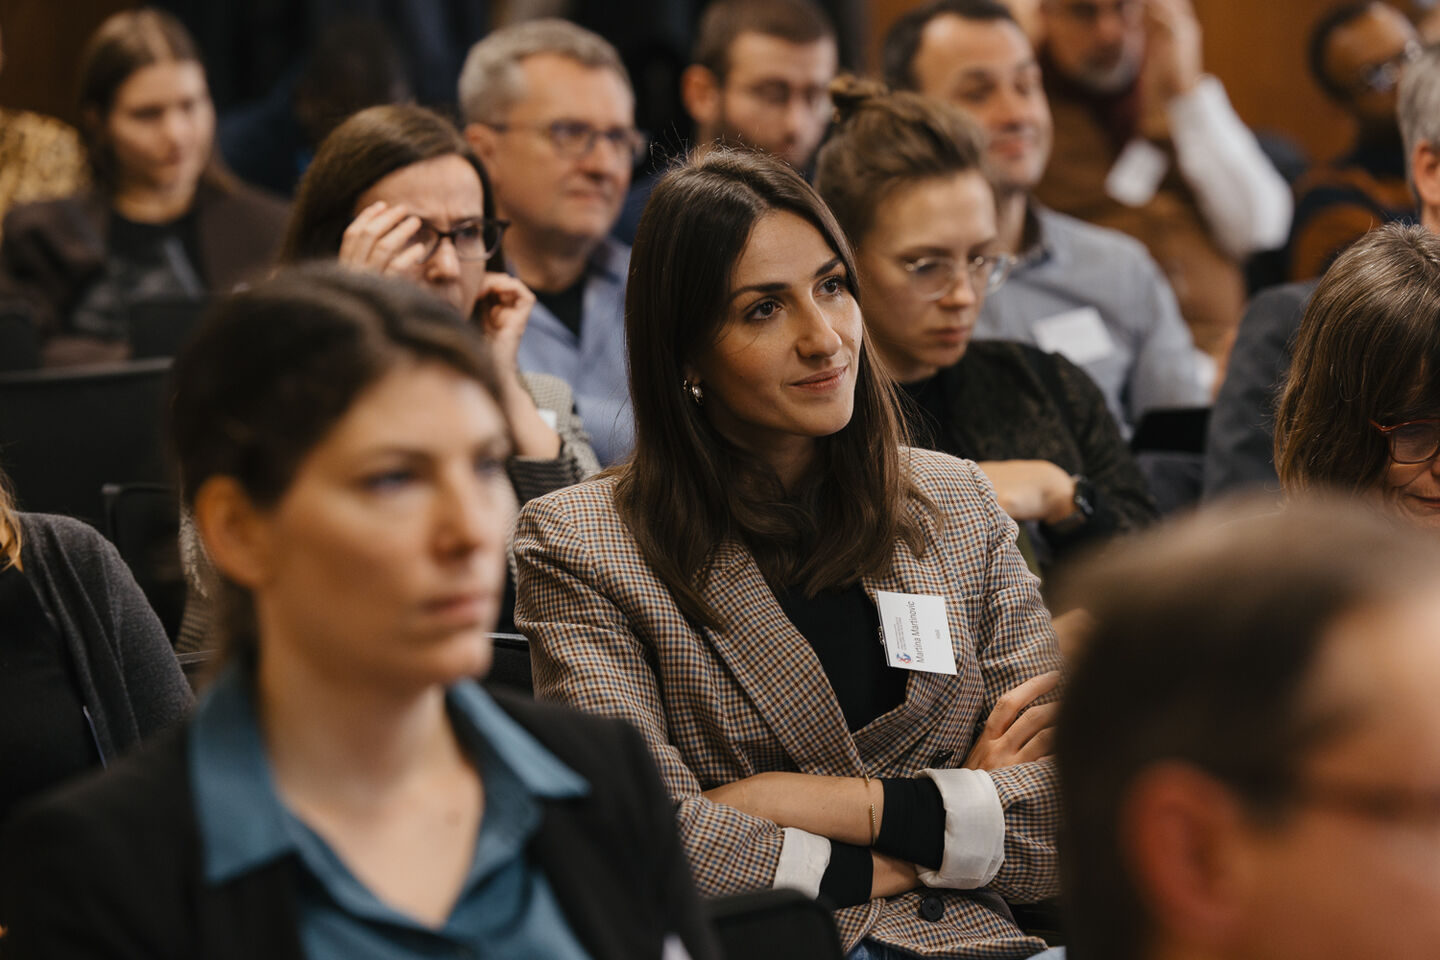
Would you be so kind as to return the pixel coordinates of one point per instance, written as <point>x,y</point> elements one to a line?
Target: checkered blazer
<point>719,705</point>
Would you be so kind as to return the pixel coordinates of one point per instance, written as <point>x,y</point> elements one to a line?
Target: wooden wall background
<point>42,41</point>
<point>1255,46</point>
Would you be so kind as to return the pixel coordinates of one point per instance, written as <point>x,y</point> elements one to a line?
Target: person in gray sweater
<point>86,671</point>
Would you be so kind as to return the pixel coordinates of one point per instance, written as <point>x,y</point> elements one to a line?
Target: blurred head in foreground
<point>1250,748</point>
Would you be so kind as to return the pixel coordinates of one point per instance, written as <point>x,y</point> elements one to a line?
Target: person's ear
<point>1183,837</point>
<point>485,141</point>
<point>700,92</point>
<point>235,533</point>
<point>1425,173</point>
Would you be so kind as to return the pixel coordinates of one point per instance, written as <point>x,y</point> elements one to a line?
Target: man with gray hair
<point>1419,115</point>
<point>549,108</point>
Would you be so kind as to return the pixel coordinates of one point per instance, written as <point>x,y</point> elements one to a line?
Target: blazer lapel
<point>894,735</point>
<point>776,668</point>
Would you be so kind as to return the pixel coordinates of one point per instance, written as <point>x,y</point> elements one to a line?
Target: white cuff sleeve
<point>803,859</point>
<point>1243,197</point>
<point>974,830</point>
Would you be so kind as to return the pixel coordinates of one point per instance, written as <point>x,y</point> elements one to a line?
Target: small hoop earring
<point>693,388</point>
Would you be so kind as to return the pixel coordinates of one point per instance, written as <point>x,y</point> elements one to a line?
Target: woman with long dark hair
<point>345,788</point>
<point>164,221</point>
<point>809,623</point>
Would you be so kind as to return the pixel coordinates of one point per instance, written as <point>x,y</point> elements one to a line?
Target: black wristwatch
<point>1084,501</point>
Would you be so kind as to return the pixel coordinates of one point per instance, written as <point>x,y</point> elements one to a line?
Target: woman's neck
<point>152,204</point>
<point>331,737</point>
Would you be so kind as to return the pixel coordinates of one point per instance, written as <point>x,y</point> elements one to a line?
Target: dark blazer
<point>1240,444</point>
<point>54,250</point>
<point>111,866</point>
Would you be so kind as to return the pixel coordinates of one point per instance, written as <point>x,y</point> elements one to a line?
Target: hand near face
<point>1173,56</point>
<point>1032,489</point>
<point>1012,737</point>
<point>379,240</point>
<point>503,309</point>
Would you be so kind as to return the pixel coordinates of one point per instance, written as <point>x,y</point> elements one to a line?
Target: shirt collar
<point>1038,243</point>
<point>541,772</point>
<point>610,260</point>
<point>242,822</point>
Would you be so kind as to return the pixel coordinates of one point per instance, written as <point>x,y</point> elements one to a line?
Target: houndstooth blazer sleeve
<point>716,706</point>
<point>585,655</point>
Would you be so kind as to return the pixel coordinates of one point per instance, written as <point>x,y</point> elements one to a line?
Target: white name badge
<point>917,634</point>
<point>1137,173</point>
<point>1077,335</point>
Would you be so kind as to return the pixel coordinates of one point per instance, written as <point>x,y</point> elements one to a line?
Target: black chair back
<point>510,665</point>
<point>159,328</point>
<point>65,434</point>
<point>774,925</point>
<point>143,521</point>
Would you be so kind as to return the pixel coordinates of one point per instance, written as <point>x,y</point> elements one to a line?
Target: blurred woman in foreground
<point>345,787</point>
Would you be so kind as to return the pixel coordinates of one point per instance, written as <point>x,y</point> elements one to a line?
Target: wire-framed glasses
<point>576,138</point>
<point>933,277</point>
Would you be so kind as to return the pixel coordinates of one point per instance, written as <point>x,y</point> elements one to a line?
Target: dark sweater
<point>127,674</point>
<point>1010,401</point>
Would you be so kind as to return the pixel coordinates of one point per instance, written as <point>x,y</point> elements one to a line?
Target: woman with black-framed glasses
<point>396,190</point>
<point>903,175</point>
<point>1361,407</point>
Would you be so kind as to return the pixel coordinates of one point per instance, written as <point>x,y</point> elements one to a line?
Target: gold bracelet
<point>874,828</point>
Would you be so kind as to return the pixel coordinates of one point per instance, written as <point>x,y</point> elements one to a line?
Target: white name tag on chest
<point>1077,335</point>
<point>1137,174</point>
<point>916,632</point>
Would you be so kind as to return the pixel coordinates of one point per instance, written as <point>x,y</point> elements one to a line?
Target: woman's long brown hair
<point>687,489</point>
<point>9,528</point>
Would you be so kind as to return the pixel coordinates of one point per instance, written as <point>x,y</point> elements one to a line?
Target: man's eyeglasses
<point>576,138</point>
<point>1414,441</point>
<point>1384,77</point>
<point>933,277</point>
<point>473,239</point>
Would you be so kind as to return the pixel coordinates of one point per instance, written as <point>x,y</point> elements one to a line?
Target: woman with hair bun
<point>903,174</point>
<point>809,623</point>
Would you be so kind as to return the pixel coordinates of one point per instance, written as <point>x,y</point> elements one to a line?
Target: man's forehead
<point>954,48</point>
<point>554,80</point>
<point>753,53</point>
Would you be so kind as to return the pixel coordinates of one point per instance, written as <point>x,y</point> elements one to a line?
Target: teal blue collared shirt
<point>506,907</point>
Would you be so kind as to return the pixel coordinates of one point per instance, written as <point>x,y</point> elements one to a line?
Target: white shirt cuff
<point>974,830</point>
<point>1246,201</point>
<point>1204,109</point>
<point>803,859</point>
